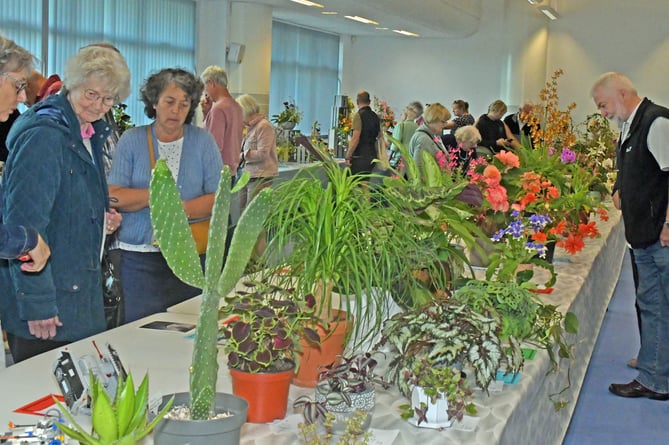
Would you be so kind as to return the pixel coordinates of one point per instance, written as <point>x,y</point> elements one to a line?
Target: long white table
<point>519,414</point>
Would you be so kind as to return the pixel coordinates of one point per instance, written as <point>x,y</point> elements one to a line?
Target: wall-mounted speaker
<point>235,52</point>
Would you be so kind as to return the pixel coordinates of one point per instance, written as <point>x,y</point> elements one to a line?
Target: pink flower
<point>508,159</point>
<point>498,199</point>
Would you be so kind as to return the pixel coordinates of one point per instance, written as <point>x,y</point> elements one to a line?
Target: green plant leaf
<point>571,323</point>
<point>125,405</point>
<point>103,416</point>
<point>170,226</point>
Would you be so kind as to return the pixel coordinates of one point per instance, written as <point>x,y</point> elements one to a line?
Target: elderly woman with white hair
<point>54,179</point>
<point>462,146</point>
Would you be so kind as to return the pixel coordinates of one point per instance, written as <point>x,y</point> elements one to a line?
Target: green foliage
<point>446,334</point>
<point>266,326</point>
<point>178,247</point>
<point>122,421</point>
<point>353,434</point>
<point>436,381</point>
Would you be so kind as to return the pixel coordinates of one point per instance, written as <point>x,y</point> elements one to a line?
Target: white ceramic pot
<point>436,414</point>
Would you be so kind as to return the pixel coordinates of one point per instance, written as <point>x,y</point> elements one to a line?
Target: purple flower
<point>568,156</point>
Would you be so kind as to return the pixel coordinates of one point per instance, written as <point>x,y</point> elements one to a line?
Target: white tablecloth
<point>519,414</point>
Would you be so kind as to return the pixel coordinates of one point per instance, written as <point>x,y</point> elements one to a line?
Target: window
<point>151,34</point>
<point>305,69</point>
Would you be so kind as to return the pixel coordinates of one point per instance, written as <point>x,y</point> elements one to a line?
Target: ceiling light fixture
<point>308,3</point>
<point>534,2</point>
<point>549,12</point>
<point>361,19</point>
<point>406,33</point>
<point>329,13</point>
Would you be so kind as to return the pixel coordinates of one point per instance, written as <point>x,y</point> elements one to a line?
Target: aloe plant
<point>121,422</point>
<point>178,247</point>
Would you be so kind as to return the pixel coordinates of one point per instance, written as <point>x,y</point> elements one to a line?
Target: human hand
<point>502,142</point>
<point>37,257</point>
<point>664,236</point>
<point>113,220</point>
<point>616,199</point>
<point>205,103</point>
<point>44,329</point>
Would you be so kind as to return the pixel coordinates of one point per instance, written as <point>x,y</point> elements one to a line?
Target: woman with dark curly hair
<point>170,97</point>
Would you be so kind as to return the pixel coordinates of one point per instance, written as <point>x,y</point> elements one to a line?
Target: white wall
<point>517,44</point>
<point>515,50</point>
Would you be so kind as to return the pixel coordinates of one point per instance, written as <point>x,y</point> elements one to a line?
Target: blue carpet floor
<point>599,416</point>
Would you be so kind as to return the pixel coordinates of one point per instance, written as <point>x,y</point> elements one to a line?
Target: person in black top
<point>362,149</point>
<point>495,134</point>
<point>642,186</point>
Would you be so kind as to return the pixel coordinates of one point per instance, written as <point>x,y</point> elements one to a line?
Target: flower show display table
<point>519,413</point>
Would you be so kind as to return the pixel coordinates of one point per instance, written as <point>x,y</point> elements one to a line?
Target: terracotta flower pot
<point>332,345</point>
<point>267,393</point>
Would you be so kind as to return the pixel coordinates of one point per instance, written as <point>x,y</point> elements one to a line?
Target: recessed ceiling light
<point>329,13</point>
<point>534,2</point>
<point>549,12</point>
<point>361,19</point>
<point>308,3</point>
<point>406,33</point>
<point>382,29</point>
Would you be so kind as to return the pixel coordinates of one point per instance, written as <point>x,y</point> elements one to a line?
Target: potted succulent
<point>178,247</point>
<point>121,421</point>
<point>263,331</point>
<point>343,389</point>
<point>439,395</point>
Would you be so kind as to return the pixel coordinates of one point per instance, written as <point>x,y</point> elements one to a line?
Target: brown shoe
<point>636,389</point>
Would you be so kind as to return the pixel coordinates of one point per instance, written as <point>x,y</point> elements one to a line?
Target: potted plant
<point>263,332</point>
<point>289,117</point>
<point>448,334</point>
<point>340,241</point>
<point>121,421</point>
<point>178,247</point>
<point>439,395</point>
<point>343,389</point>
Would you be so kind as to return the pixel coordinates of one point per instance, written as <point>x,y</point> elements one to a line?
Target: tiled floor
<point>600,417</point>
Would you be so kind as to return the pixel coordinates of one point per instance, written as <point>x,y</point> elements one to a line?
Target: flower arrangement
<point>595,149</point>
<point>291,113</point>
<point>386,114</point>
<point>550,126</point>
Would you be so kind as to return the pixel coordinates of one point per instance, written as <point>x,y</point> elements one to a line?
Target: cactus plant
<point>178,247</point>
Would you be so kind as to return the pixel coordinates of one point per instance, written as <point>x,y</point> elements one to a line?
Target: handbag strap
<point>149,139</point>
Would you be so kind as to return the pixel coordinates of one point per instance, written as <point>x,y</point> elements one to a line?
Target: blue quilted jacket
<point>52,183</point>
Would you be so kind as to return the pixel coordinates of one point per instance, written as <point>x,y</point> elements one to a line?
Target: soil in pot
<point>223,431</point>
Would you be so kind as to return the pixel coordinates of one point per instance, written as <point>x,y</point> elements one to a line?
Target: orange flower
<point>588,230</point>
<point>573,243</point>
<point>553,192</point>
<point>539,237</point>
<point>508,159</point>
<point>498,199</point>
<point>603,214</point>
<point>558,229</point>
<point>492,175</point>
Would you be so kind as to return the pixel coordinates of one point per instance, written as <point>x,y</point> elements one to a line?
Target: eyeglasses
<point>94,96</point>
<point>19,84</point>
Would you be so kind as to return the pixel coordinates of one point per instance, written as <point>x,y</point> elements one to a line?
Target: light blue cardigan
<point>199,173</point>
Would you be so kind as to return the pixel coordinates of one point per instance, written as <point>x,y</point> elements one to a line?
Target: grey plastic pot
<point>224,431</point>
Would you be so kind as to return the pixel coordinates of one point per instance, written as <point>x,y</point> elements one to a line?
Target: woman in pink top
<point>259,156</point>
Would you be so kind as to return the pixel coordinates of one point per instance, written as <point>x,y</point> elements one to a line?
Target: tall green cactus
<point>178,247</point>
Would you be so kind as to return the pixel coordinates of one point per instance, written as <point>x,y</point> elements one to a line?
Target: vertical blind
<point>151,34</point>
<point>305,70</point>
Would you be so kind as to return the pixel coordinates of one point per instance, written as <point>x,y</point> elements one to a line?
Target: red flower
<point>588,230</point>
<point>573,243</point>
<point>559,229</point>
<point>539,237</point>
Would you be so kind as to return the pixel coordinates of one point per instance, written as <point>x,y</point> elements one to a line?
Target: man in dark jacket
<point>643,189</point>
